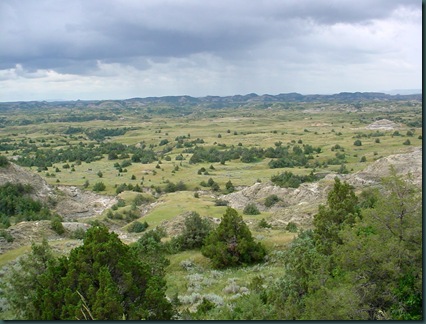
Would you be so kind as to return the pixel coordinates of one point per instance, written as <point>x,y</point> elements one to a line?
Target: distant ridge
<point>218,101</point>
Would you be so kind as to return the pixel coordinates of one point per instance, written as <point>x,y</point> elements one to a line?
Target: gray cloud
<point>72,37</point>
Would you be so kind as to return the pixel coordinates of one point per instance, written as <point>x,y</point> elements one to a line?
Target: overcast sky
<point>116,49</point>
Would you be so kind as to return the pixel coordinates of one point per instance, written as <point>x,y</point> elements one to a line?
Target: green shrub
<point>141,199</point>
<point>215,187</point>
<point>86,184</point>
<point>9,238</point>
<point>251,209</point>
<point>232,244</point>
<point>271,200</point>
<point>220,202</point>
<point>99,186</point>
<point>195,231</point>
<point>56,225</point>
<point>4,162</point>
<point>343,169</point>
<point>16,202</point>
<point>113,283</point>
<point>229,187</point>
<point>78,234</point>
<point>291,227</point>
<point>126,163</point>
<point>264,224</point>
<point>137,227</point>
<point>358,143</point>
<point>289,180</point>
<point>407,142</point>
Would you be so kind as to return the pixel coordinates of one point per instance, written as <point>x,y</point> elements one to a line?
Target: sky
<point>118,49</point>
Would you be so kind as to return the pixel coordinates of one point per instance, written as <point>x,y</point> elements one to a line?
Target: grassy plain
<point>260,129</point>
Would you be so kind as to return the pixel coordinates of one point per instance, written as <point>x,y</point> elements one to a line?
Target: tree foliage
<point>251,209</point>
<point>99,186</point>
<point>4,162</point>
<point>195,231</point>
<point>382,254</point>
<point>271,200</point>
<point>137,227</point>
<point>357,264</point>
<point>102,279</point>
<point>232,244</point>
<point>56,225</point>
<point>20,283</point>
<point>289,180</point>
<point>341,209</point>
<point>15,201</point>
<point>153,251</point>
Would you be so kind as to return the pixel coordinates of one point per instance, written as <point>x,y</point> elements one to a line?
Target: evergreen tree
<point>150,248</point>
<point>20,283</point>
<point>195,231</point>
<point>382,254</point>
<point>103,277</point>
<point>251,209</point>
<point>107,302</point>
<point>4,162</point>
<point>342,209</point>
<point>362,268</point>
<point>232,244</point>
<point>229,187</point>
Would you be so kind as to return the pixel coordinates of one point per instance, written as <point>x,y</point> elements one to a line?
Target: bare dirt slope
<point>383,124</point>
<point>71,203</point>
<point>407,163</point>
<point>299,205</point>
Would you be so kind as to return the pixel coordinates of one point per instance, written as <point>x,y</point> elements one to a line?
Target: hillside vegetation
<point>243,207</point>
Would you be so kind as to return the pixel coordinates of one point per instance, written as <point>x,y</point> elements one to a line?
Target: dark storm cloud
<point>71,36</point>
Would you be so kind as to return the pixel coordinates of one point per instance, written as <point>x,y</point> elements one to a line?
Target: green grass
<point>11,255</point>
<point>174,204</point>
<point>202,279</point>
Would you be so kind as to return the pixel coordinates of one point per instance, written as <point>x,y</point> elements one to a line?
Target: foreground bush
<point>194,233</point>
<point>104,279</point>
<point>232,244</point>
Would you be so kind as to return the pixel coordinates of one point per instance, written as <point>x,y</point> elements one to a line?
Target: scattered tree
<point>341,209</point>
<point>271,200</point>
<point>251,209</point>
<point>56,225</point>
<point>99,186</point>
<point>4,162</point>
<point>194,232</point>
<point>232,244</point>
<point>358,143</point>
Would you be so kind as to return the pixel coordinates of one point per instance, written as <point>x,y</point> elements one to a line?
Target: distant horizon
<point>394,92</point>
